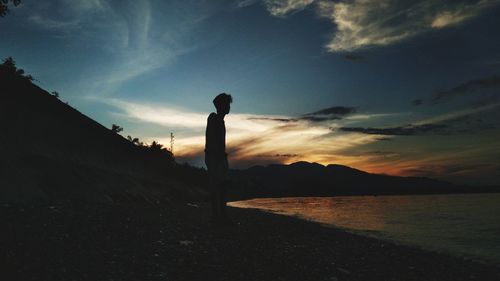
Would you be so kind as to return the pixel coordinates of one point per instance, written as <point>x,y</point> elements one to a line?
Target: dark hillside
<point>50,148</point>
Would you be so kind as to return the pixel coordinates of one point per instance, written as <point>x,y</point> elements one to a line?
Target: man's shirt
<point>215,140</point>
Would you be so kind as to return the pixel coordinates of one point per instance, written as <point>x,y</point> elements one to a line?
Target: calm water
<point>465,224</point>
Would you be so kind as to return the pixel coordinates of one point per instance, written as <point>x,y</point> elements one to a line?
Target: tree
<point>4,8</point>
<point>9,70</point>
<point>158,147</point>
<point>116,129</point>
<point>134,140</point>
<point>55,94</point>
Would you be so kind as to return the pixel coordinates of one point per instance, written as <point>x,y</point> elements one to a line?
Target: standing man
<point>216,157</point>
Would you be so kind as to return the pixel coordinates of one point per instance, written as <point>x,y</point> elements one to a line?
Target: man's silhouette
<point>216,157</point>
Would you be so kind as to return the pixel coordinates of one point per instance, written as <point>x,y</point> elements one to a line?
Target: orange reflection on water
<point>364,213</point>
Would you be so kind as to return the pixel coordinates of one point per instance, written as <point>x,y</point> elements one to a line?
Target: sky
<point>409,88</point>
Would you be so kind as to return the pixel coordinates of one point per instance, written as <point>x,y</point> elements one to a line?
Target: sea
<point>464,225</point>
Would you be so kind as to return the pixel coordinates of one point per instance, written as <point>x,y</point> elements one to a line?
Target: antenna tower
<point>172,142</point>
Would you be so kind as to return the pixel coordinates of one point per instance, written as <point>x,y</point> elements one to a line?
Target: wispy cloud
<point>456,15</point>
<point>468,87</point>
<point>470,159</point>
<point>323,115</point>
<point>128,38</point>
<point>335,110</point>
<point>408,130</point>
<point>364,23</point>
<point>251,138</point>
<point>275,119</point>
<point>48,23</point>
<point>245,3</point>
<point>443,124</point>
<point>457,114</point>
<point>328,114</point>
<point>283,7</point>
<point>369,116</point>
<point>63,15</point>
<point>144,44</point>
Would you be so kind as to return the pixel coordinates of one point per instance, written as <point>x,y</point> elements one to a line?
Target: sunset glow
<point>392,87</point>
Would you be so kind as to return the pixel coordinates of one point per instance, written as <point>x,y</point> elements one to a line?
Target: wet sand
<point>176,241</point>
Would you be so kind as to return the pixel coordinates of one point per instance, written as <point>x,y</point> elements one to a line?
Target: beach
<point>174,240</point>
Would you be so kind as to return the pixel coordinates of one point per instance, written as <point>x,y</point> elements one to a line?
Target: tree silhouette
<point>9,69</point>
<point>4,8</point>
<point>158,149</point>
<point>156,146</point>
<point>134,140</point>
<point>116,129</point>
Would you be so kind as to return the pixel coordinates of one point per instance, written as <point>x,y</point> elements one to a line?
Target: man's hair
<point>222,99</point>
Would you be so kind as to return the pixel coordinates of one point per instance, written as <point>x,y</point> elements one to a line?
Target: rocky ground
<point>176,241</point>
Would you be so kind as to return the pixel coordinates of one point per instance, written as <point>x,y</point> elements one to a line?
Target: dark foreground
<point>175,241</point>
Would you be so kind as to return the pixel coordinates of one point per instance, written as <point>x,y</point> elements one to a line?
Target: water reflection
<point>340,211</point>
<point>459,224</point>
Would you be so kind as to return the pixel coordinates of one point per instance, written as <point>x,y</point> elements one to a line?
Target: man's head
<point>222,103</point>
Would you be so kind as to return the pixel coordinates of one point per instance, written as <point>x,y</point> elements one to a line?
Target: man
<point>216,157</point>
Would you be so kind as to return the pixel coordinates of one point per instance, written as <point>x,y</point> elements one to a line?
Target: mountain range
<point>313,179</point>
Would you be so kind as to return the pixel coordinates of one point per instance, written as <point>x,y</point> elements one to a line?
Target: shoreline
<point>465,257</point>
<point>175,241</point>
<point>369,234</point>
<point>401,233</point>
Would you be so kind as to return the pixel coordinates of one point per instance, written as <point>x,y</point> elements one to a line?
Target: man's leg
<point>222,200</point>
<point>214,196</point>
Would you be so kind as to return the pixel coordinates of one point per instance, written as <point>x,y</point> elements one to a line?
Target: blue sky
<point>396,87</point>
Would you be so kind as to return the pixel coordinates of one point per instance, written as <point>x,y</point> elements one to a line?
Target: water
<point>465,224</point>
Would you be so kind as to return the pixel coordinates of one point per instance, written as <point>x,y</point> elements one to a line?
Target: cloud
<point>161,115</point>
<point>444,124</point>
<point>250,137</point>
<point>319,118</point>
<point>381,154</point>
<point>274,119</point>
<point>337,110</point>
<point>409,130</point>
<point>245,3</point>
<point>466,88</point>
<point>128,38</point>
<point>63,15</point>
<point>281,8</point>
<point>446,117</point>
<point>48,23</point>
<point>369,116</point>
<point>456,16</point>
<point>364,23</point>
<point>475,174</point>
<point>327,114</point>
